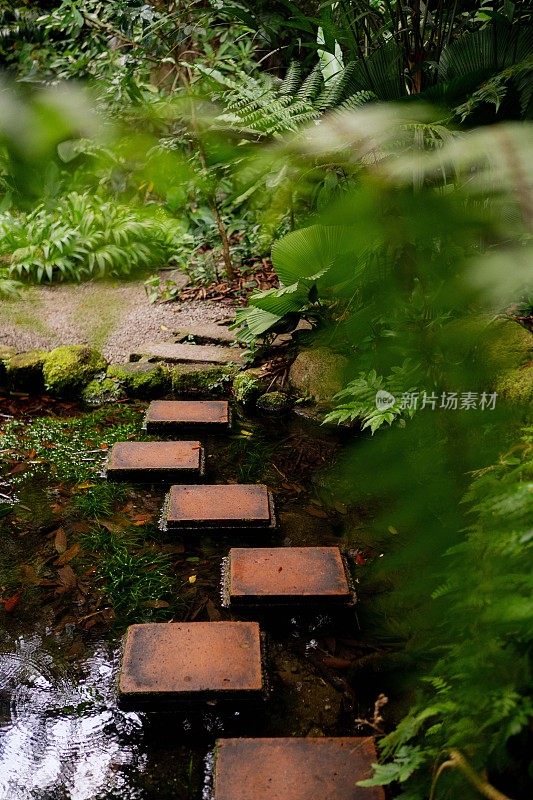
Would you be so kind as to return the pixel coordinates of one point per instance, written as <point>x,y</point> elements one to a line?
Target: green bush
<point>83,237</point>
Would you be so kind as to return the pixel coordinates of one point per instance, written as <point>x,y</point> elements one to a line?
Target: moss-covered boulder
<point>274,402</point>
<point>516,387</point>
<point>318,373</point>
<point>202,380</point>
<point>140,379</point>
<point>68,369</point>
<point>24,372</point>
<point>102,390</point>
<point>511,345</point>
<point>248,385</point>
<point>5,354</point>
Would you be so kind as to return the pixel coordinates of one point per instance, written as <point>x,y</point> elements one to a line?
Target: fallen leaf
<point>28,574</point>
<point>157,604</point>
<point>212,612</point>
<point>10,603</point>
<point>68,555</point>
<point>335,662</point>
<point>192,578</point>
<point>67,580</point>
<point>80,527</point>
<point>316,512</point>
<point>60,541</point>
<point>141,519</point>
<point>17,468</point>
<point>76,650</point>
<point>110,526</point>
<point>85,485</point>
<point>340,507</point>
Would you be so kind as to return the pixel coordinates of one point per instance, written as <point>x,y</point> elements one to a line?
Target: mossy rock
<point>202,380</point>
<point>516,387</point>
<point>5,354</point>
<point>318,373</point>
<point>68,369</point>
<point>140,379</point>
<point>511,344</point>
<point>274,402</point>
<point>24,372</point>
<point>247,386</point>
<point>101,391</point>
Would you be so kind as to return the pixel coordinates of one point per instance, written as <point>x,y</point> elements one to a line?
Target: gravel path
<point>114,318</point>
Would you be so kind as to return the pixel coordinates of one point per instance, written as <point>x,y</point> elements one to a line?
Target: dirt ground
<point>115,318</point>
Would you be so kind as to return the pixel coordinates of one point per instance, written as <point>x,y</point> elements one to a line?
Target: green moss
<point>24,372</point>
<point>140,379</point>
<point>202,379</point>
<point>102,390</point>
<point>517,387</point>
<point>68,369</point>
<point>247,386</point>
<point>274,402</point>
<point>5,354</point>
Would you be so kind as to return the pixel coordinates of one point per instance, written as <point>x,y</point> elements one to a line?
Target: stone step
<point>294,769</point>
<point>151,462</point>
<point>182,663</point>
<point>189,353</point>
<point>205,333</point>
<point>216,506</point>
<point>173,416</point>
<point>286,576</point>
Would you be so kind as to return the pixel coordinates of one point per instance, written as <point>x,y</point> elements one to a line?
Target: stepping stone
<point>169,416</point>
<point>218,506</point>
<point>294,769</point>
<point>149,462</point>
<point>286,575</point>
<point>173,663</point>
<point>206,333</point>
<point>190,353</point>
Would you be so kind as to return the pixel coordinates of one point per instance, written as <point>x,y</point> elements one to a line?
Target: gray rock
<point>206,333</point>
<point>189,353</point>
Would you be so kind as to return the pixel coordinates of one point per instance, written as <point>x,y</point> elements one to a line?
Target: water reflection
<point>62,736</point>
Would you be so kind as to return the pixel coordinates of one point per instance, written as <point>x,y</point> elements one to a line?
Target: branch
<point>456,760</point>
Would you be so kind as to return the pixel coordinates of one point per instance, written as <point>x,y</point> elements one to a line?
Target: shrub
<point>83,237</point>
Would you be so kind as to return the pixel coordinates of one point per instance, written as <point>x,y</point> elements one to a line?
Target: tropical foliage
<point>83,237</point>
<point>356,142</point>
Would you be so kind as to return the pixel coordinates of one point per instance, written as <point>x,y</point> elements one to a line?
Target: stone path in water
<point>200,663</point>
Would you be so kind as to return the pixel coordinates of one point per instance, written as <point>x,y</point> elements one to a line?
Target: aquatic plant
<point>136,577</point>
<point>68,449</point>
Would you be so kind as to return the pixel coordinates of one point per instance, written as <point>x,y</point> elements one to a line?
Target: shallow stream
<point>62,734</point>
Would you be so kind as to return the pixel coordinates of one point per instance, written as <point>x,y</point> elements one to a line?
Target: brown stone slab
<point>190,353</point>
<point>295,769</point>
<point>287,575</point>
<point>154,461</point>
<point>183,662</point>
<point>167,416</point>
<point>219,506</point>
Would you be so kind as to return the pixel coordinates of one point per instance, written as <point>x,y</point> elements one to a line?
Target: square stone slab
<point>154,461</point>
<point>183,662</point>
<point>218,506</point>
<point>169,416</point>
<point>294,769</point>
<point>286,575</point>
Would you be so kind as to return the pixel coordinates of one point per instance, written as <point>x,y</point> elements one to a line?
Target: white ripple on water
<point>65,736</point>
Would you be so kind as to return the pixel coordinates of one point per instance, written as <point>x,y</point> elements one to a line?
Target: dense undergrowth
<point>382,150</point>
